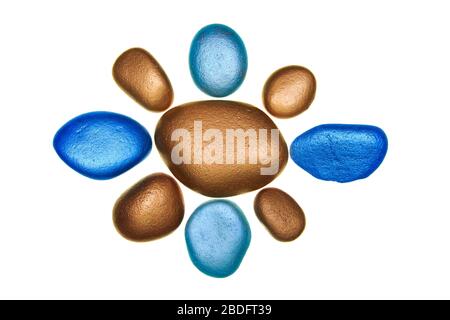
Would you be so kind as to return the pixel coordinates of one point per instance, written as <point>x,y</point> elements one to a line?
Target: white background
<point>384,63</point>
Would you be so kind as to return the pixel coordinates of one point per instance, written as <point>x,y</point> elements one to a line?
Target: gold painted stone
<point>289,91</point>
<point>210,146</point>
<point>141,77</point>
<point>150,209</point>
<point>280,213</point>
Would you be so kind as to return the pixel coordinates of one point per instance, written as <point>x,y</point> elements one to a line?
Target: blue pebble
<point>340,152</point>
<point>217,238</point>
<point>218,60</point>
<point>102,145</point>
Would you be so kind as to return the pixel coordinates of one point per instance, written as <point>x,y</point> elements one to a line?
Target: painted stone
<point>218,60</point>
<point>221,148</point>
<point>102,145</point>
<point>139,74</point>
<point>340,152</point>
<point>280,213</point>
<point>150,209</point>
<point>289,91</point>
<point>217,238</point>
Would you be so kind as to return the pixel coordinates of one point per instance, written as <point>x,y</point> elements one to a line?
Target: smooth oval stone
<point>141,77</point>
<point>196,165</point>
<point>217,237</point>
<point>150,209</point>
<point>218,60</point>
<point>289,91</point>
<point>340,152</point>
<point>102,145</point>
<point>280,213</point>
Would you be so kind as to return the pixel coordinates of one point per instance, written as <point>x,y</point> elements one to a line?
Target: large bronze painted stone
<point>221,148</point>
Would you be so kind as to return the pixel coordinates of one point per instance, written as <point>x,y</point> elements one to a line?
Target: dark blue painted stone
<point>340,152</point>
<point>218,60</point>
<point>102,145</point>
<point>217,237</point>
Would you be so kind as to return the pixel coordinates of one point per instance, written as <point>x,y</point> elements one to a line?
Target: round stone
<point>289,91</point>
<point>217,238</point>
<point>102,145</point>
<point>280,213</point>
<point>221,148</point>
<point>218,60</point>
<point>150,209</point>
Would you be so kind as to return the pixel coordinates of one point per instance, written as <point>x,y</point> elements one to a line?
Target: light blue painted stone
<point>217,237</point>
<point>218,60</point>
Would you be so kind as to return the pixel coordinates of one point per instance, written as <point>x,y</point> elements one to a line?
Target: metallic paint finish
<point>218,60</point>
<point>150,209</point>
<point>217,238</point>
<point>217,180</point>
<point>102,145</point>
<point>340,152</point>
<point>289,91</point>
<point>141,77</point>
<point>280,213</point>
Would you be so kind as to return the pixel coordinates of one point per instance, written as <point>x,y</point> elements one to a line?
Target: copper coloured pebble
<point>221,148</point>
<point>141,77</point>
<point>150,209</point>
<point>289,91</point>
<point>280,213</point>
